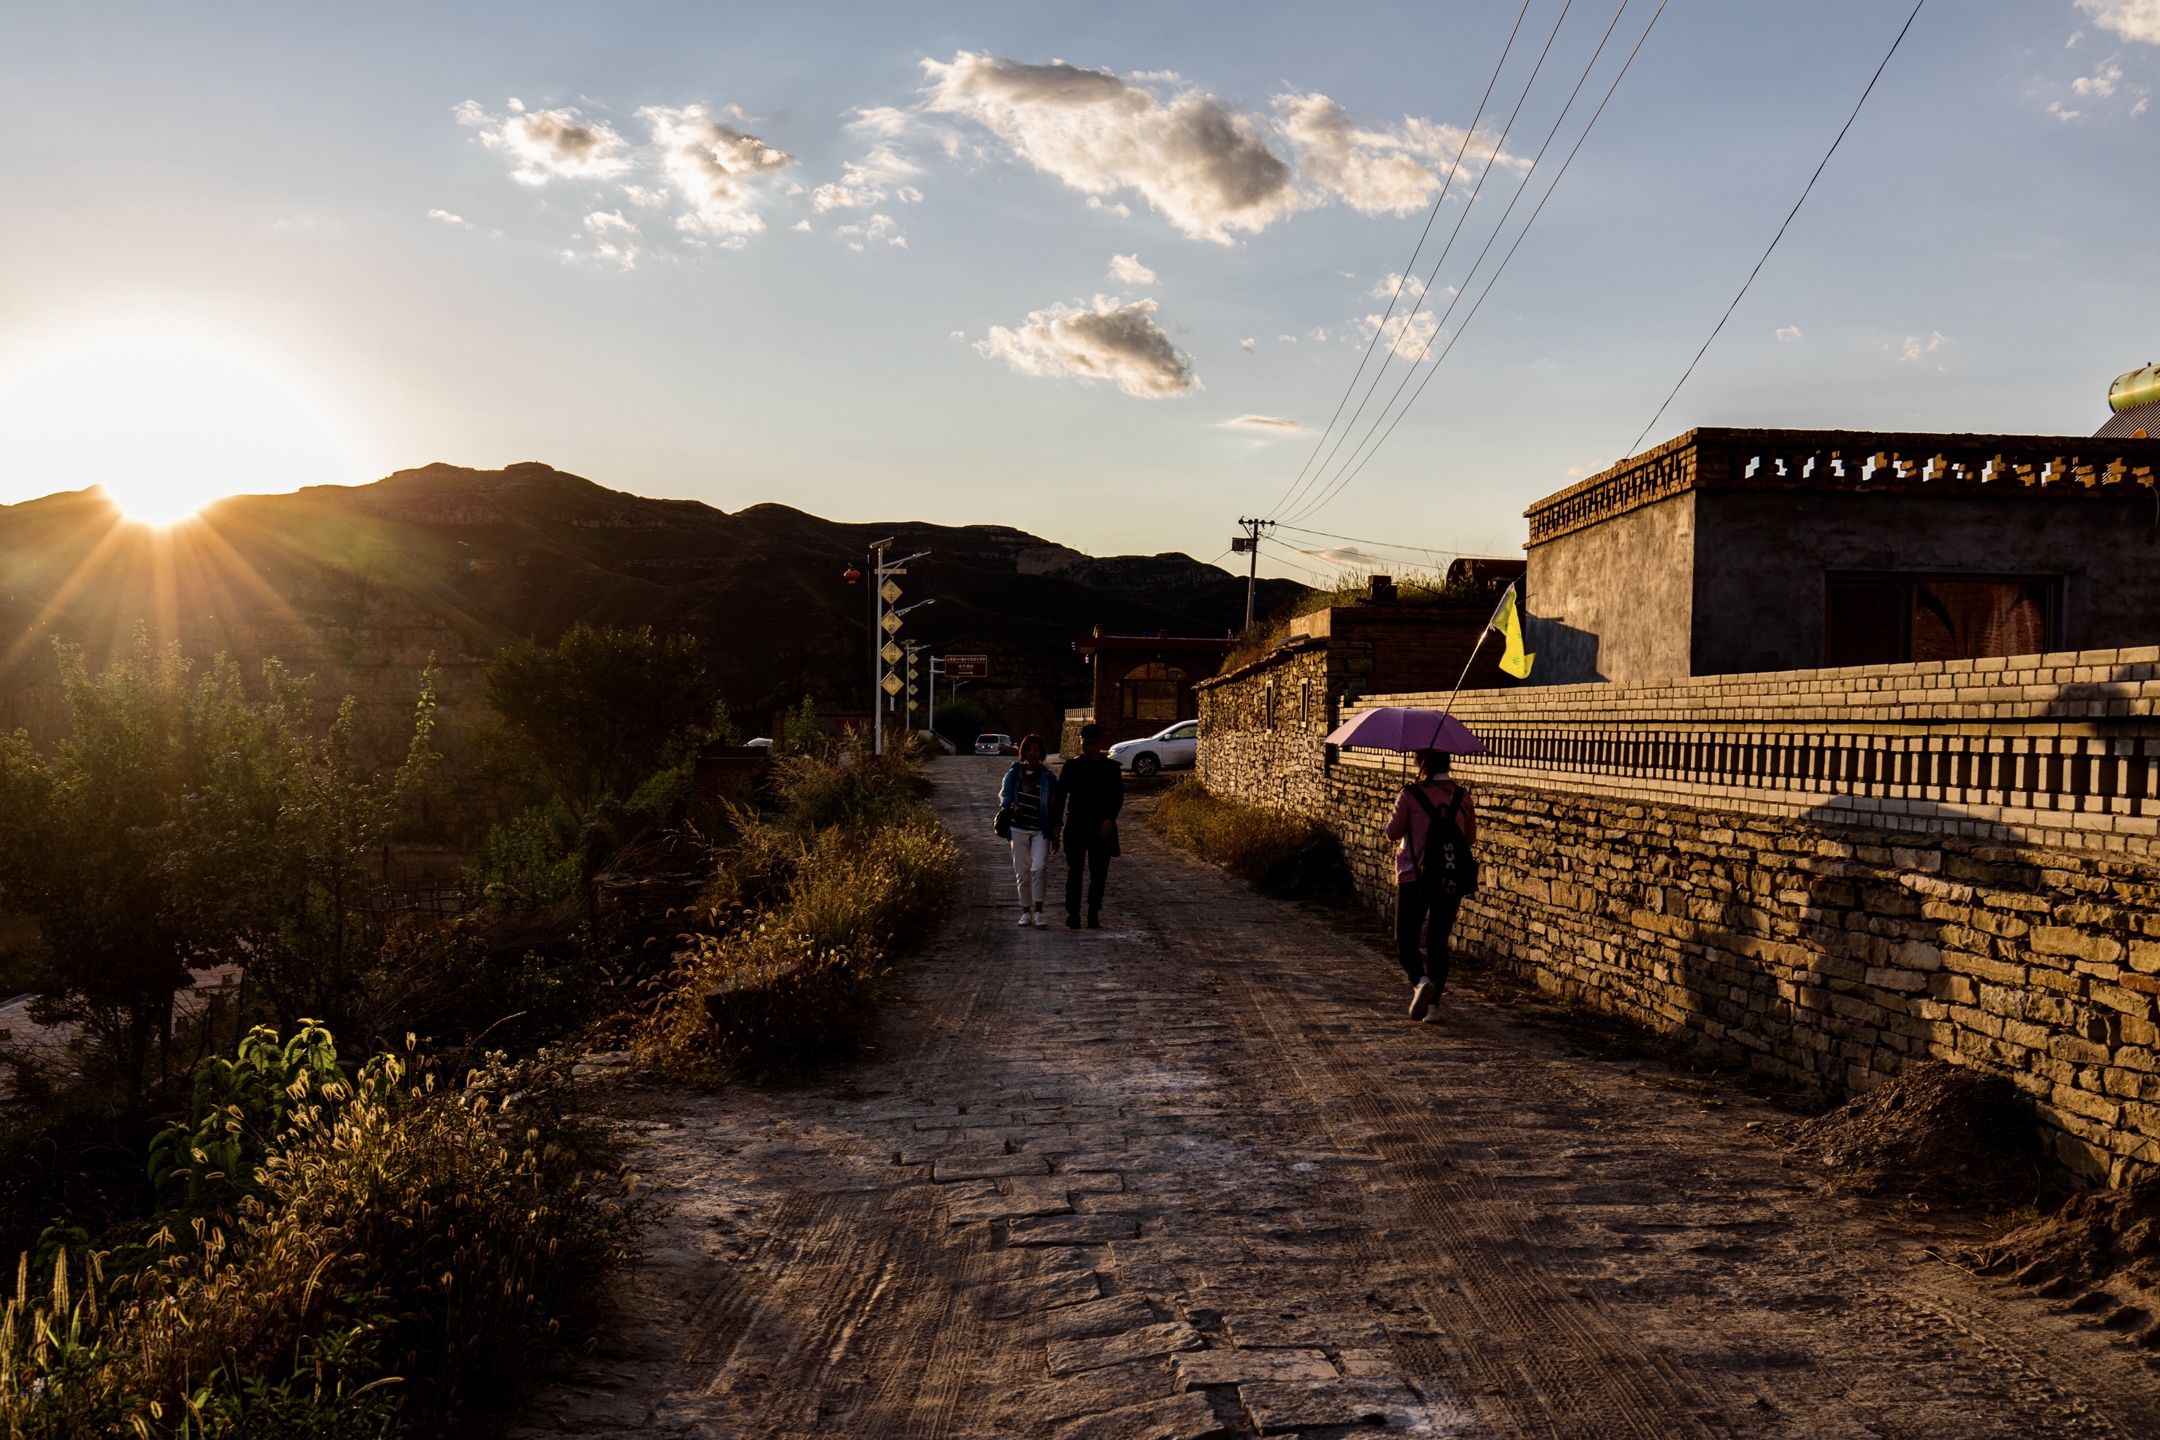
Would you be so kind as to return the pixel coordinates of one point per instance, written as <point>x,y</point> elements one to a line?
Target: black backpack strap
<point>1432,818</point>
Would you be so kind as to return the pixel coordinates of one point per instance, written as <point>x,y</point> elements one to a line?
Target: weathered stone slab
<point>1257,1330</point>
<point>1275,1406</point>
<point>1069,1357</point>
<point>1044,1292</point>
<point>1187,1417</point>
<point>986,1167</point>
<point>1033,1410</point>
<point>1200,1368</point>
<point>991,1205</point>
<point>1364,1363</point>
<point>1100,1317</point>
<point>1073,1230</point>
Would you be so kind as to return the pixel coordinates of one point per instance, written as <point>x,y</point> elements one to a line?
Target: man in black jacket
<point>1090,792</point>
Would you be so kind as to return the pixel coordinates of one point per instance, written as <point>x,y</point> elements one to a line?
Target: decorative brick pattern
<point>1824,875</point>
<point>1873,462</point>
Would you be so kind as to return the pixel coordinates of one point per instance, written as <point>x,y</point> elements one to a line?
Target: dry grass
<point>1279,854</point>
<point>801,920</point>
<point>408,1255</point>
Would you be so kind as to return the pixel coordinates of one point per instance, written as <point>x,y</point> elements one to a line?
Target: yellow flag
<point>1508,621</point>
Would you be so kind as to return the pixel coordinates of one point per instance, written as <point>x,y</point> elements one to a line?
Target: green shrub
<point>1279,854</point>
<point>529,864</point>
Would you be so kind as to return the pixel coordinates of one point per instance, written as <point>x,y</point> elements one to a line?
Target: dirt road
<point>1196,1174</point>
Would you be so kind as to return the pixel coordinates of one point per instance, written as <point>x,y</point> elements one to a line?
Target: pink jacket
<point>1409,825</point>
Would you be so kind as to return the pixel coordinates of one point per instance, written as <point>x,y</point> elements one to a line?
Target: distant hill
<point>360,585</point>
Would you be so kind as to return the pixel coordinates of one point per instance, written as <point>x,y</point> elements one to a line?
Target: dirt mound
<point>1936,1131</point>
<point>2112,1235</point>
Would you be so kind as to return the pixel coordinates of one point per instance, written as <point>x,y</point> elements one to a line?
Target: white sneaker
<point>1027,917</point>
<point>1421,999</point>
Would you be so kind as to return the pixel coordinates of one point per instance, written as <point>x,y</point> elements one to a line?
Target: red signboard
<point>966,667</point>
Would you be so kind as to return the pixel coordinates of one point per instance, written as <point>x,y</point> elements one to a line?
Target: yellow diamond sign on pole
<point>891,623</point>
<point>893,684</point>
<point>891,653</point>
<point>891,592</point>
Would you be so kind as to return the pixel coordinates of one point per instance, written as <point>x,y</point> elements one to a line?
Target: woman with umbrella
<point>1433,825</point>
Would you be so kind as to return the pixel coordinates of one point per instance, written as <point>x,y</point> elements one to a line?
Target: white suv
<point>1176,748</point>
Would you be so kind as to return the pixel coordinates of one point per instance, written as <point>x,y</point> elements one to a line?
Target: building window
<point>1891,619</point>
<point>1267,717</point>
<point>1304,702</point>
<point>1150,692</point>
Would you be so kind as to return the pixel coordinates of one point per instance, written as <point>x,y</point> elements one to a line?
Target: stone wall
<point>1823,875</point>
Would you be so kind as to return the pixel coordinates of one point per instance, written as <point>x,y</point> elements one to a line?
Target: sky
<point>1100,271</point>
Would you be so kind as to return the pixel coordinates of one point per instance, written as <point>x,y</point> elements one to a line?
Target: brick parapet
<point>2025,467</point>
<point>1825,927</point>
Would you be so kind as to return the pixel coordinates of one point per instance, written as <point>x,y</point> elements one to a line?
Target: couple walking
<point>1076,810</point>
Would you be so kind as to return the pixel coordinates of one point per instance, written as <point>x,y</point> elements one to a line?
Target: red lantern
<point>853,575</point>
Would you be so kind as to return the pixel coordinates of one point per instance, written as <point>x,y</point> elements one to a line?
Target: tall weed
<point>408,1252</point>
<point>802,917</point>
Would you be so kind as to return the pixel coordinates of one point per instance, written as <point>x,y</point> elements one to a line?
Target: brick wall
<point>1824,875</point>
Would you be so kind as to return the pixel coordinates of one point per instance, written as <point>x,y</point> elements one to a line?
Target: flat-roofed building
<point>1725,551</point>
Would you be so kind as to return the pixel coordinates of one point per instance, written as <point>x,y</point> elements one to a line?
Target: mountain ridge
<point>361,584</point>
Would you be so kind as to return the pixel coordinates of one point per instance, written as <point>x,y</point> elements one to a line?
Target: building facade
<point>1735,551</point>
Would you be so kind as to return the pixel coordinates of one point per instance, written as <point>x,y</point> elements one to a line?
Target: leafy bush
<point>405,1254</point>
<point>529,864</point>
<point>1279,854</point>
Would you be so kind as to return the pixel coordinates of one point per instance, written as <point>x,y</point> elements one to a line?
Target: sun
<point>164,426</point>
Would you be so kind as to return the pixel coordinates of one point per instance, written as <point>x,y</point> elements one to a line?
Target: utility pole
<point>885,681</point>
<point>1248,545</point>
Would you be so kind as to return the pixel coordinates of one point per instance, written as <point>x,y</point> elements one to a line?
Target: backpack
<point>1455,869</point>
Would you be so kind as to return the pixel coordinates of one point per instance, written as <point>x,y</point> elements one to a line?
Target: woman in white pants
<point>1025,805</point>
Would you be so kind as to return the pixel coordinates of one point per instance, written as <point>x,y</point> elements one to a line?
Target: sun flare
<point>164,426</point>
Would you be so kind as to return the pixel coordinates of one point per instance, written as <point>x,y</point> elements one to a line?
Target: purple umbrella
<point>1391,727</point>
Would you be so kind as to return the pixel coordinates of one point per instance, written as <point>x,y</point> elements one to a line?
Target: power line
<point>1635,448</point>
<point>1357,464</point>
<point>1360,452</point>
<point>1477,190</point>
<point>1410,266</point>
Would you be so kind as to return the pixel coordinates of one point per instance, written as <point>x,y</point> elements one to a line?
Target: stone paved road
<point>1195,1175</point>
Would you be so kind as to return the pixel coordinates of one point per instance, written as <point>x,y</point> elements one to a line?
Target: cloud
<point>716,168</point>
<point>877,227</point>
<point>880,175</point>
<point>1915,348</point>
<point>802,225</point>
<point>1344,555</point>
<point>1409,336</point>
<point>1392,285</point>
<point>645,197</point>
<point>2102,82</point>
<point>1788,332</point>
<point>1378,172</point>
<point>1129,269</point>
<point>1205,167</point>
<point>600,222</point>
<point>1247,343</point>
<point>2131,19</point>
<point>1108,341</point>
<point>547,144</point>
<point>1210,167</point>
<point>449,219</point>
<point>2055,108</point>
<point>1263,424</point>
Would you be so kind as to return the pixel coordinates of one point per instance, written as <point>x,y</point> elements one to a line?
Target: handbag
<point>1002,825</point>
<point>1456,874</point>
